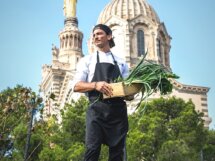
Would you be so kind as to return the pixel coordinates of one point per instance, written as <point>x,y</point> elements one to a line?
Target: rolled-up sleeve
<point>81,73</point>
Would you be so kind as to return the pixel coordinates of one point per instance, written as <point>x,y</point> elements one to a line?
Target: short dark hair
<point>103,27</point>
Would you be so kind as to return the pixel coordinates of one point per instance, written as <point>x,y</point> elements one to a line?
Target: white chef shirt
<point>86,66</point>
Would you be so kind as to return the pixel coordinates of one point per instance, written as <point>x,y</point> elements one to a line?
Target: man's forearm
<point>100,86</point>
<point>84,86</point>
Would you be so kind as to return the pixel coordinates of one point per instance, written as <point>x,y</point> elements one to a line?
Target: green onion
<point>153,77</point>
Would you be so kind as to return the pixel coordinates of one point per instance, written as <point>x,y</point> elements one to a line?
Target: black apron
<point>107,121</point>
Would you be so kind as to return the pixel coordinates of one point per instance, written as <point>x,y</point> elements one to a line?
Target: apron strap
<point>98,57</point>
<point>115,62</point>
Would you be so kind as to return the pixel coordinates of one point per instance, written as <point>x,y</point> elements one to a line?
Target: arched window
<point>159,50</point>
<point>140,43</point>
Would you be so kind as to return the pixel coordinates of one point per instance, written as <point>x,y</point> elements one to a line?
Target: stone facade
<point>136,29</point>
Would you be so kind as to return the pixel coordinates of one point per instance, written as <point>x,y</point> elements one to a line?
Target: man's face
<point>100,38</point>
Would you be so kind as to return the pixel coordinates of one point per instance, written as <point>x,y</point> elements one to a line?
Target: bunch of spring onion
<point>152,77</point>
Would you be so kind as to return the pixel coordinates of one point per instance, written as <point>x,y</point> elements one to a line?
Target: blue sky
<point>30,27</point>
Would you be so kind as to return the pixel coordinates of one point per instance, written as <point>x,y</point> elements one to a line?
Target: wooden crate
<point>121,90</point>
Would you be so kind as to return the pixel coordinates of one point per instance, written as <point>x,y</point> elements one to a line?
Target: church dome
<point>128,10</point>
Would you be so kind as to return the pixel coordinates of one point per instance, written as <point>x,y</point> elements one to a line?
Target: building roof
<point>128,9</point>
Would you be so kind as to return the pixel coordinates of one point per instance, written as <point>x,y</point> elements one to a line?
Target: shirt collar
<point>108,53</point>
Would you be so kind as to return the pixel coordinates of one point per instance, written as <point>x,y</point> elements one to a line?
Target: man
<point>106,120</point>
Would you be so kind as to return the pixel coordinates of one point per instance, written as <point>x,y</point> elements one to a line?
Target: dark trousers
<point>115,153</point>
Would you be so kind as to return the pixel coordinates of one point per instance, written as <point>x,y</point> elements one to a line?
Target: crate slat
<point>121,90</point>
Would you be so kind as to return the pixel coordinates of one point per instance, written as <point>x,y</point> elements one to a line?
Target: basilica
<point>136,28</point>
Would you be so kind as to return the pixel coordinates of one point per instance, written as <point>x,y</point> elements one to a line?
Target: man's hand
<point>104,88</point>
<point>129,98</point>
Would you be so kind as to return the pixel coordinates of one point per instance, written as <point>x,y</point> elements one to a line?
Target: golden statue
<point>69,8</point>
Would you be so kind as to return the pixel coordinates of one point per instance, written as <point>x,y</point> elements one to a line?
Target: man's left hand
<point>129,98</point>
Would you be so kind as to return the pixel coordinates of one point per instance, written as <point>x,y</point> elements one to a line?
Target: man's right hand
<point>104,88</point>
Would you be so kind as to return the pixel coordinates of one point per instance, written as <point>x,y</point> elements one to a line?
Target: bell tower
<point>70,42</point>
<point>70,37</point>
<point>56,77</point>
